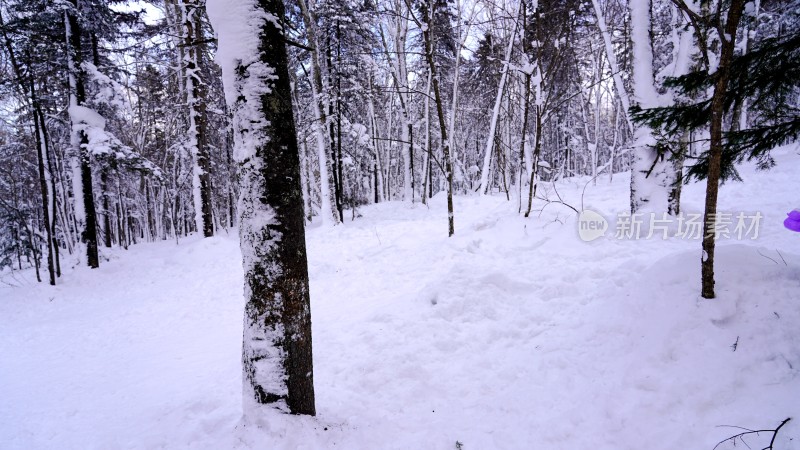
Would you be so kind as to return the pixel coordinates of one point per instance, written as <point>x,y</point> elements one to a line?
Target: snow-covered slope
<point>513,334</point>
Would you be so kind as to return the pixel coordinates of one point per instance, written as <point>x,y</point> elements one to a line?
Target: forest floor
<point>513,334</point>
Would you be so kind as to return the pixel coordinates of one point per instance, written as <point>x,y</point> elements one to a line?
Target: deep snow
<point>513,334</point>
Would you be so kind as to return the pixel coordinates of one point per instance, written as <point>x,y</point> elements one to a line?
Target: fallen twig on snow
<point>747,431</point>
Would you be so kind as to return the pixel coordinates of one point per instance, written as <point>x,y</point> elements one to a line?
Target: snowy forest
<point>513,223</point>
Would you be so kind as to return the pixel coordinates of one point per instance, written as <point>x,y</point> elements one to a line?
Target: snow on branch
<point>107,91</point>
<point>103,145</point>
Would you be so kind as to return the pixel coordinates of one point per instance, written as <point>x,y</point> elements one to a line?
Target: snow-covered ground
<point>513,334</point>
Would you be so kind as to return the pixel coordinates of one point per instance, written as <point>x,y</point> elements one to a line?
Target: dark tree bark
<point>42,155</point>
<point>121,218</point>
<point>728,45</point>
<point>229,155</point>
<point>89,232</point>
<point>537,150</point>
<point>448,163</point>
<point>411,157</point>
<point>106,213</point>
<point>335,136</point>
<point>525,107</point>
<point>375,180</point>
<point>198,120</point>
<point>339,164</point>
<point>276,354</point>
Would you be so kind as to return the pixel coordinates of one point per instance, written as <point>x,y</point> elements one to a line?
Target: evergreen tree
<point>767,76</point>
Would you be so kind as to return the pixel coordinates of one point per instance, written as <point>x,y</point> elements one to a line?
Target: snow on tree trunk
<point>80,117</point>
<point>74,159</point>
<point>454,102</point>
<point>328,214</point>
<point>652,175</point>
<point>276,352</point>
<point>405,97</point>
<point>45,183</point>
<point>426,165</point>
<point>612,62</point>
<point>448,162</point>
<point>374,130</point>
<point>196,101</point>
<point>408,193</point>
<point>683,52</point>
<point>398,27</point>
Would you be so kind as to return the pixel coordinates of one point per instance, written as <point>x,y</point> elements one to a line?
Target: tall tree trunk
<point>103,170</point>
<point>739,119</point>
<point>231,182</point>
<point>487,158</point>
<point>537,150</point>
<point>198,120</point>
<point>328,213</point>
<point>411,158</point>
<point>523,172</point>
<point>597,99</point>
<point>121,217</point>
<point>106,213</point>
<point>526,102</point>
<point>619,85</point>
<point>34,249</point>
<point>448,163</point>
<point>728,45</point>
<point>683,52</point>
<point>332,126</point>
<point>379,182</point>
<point>85,213</point>
<point>44,184</point>
<point>399,72</point>
<point>276,355</point>
<point>339,162</point>
<point>652,175</point>
<point>404,95</point>
<point>426,165</point>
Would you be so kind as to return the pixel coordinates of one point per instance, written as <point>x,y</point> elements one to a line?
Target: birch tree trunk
<point>651,174</point>
<point>487,155</point>
<point>378,169</point>
<point>682,55</point>
<point>612,62</point>
<point>398,29</point>
<point>328,212</point>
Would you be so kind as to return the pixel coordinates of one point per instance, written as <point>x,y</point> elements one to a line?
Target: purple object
<point>793,221</point>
